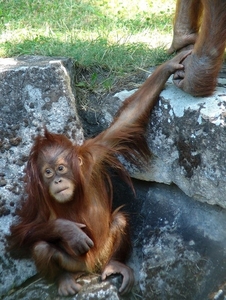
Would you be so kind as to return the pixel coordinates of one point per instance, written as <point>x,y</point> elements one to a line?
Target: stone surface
<point>34,92</point>
<point>180,245</point>
<point>92,288</point>
<point>187,137</point>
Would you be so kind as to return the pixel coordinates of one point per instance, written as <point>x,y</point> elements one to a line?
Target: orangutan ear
<point>80,161</point>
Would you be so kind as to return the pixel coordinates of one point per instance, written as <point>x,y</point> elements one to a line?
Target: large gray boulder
<point>187,137</point>
<point>34,92</point>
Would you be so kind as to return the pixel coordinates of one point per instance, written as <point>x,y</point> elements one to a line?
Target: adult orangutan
<point>66,220</point>
<point>200,25</point>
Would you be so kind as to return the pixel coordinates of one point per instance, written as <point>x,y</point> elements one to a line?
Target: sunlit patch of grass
<point>120,35</point>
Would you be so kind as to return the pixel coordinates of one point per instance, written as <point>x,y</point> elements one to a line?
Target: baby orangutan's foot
<point>67,284</point>
<point>115,267</point>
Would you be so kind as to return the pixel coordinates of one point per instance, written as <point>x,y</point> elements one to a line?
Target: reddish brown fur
<point>186,24</point>
<point>202,24</point>
<point>44,227</point>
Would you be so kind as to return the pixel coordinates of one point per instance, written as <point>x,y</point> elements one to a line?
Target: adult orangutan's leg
<point>201,67</point>
<point>186,24</point>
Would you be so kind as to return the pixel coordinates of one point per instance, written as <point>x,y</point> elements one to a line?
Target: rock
<point>92,288</point>
<point>34,92</point>
<point>179,250</point>
<point>187,137</point>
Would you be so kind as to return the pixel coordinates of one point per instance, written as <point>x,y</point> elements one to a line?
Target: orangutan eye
<point>48,173</point>
<point>62,169</point>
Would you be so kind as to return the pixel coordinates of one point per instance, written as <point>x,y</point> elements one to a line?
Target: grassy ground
<point>119,35</point>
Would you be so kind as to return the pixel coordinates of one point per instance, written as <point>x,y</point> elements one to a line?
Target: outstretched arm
<point>138,106</point>
<point>126,133</point>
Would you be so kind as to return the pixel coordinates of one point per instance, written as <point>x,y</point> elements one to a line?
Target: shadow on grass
<point>114,57</point>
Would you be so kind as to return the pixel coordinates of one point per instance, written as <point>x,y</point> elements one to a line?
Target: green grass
<point>118,35</point>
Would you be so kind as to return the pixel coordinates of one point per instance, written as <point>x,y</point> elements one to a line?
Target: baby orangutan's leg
<point>121,249</point>
<point>54,263</point>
